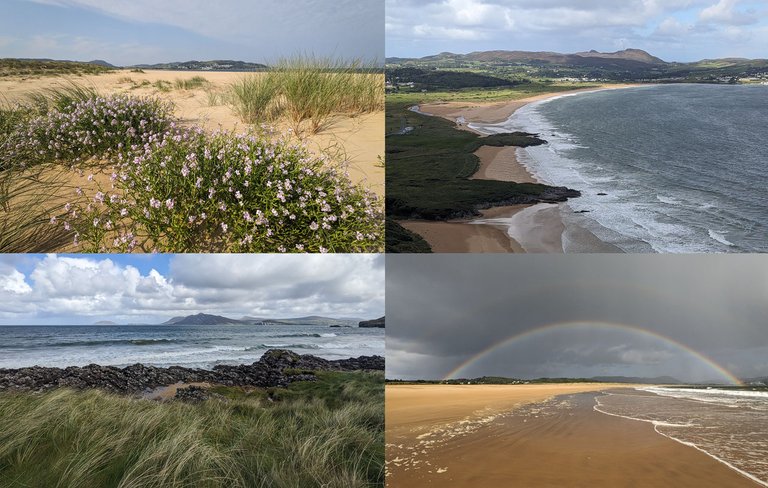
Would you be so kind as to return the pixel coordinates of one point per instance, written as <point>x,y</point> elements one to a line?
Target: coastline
<point>460,444</point>
<point>504,229</point>
<point>275,368</point>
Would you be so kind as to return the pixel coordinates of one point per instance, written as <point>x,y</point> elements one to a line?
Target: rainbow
<point>597,326</point>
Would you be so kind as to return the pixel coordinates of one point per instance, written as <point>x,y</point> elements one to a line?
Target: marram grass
<point>329,433</point>
<point>308,91</point>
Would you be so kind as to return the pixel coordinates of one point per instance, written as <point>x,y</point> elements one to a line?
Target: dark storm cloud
<point>442,310</point>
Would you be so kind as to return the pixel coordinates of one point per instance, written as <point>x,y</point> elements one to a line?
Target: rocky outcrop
<point>194,394</point>
<point>373,323</point>
<point>276,368</point>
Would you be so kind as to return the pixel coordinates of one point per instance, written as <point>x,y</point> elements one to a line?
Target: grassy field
<point>22,67</point>
<point>328,433</point>
<point>401,240</point>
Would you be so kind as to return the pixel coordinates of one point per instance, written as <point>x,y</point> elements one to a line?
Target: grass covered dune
<point>325,432</point>
<point>85,171</point>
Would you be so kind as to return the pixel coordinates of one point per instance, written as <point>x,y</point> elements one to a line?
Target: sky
<point>135,289</point>
<point>445,309</point>
<point>148,31</point>
<point>674,30</point>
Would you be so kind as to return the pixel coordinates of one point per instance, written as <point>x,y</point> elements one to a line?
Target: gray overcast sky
<point>81,289</point>
<point>125,32</point>
<point>674,30</point>
<point>444,309</point>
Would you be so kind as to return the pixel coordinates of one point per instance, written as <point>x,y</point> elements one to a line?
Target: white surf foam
<point>656,424</point>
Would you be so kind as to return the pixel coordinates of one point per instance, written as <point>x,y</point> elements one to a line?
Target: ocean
<point>194,346</point>
<point>663,168</point>
<point>729,425</point>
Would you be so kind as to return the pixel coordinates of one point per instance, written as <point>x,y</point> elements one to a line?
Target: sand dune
<point>359,140</point>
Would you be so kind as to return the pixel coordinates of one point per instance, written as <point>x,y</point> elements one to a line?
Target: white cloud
<point>725,12</point>
<point>13,282</point>
<point>675,30</point>
<point>71,288</point>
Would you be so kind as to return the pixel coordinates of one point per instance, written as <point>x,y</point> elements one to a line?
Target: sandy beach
<point>507,228</point>
<point>358,140</point>
<point>532,435</point>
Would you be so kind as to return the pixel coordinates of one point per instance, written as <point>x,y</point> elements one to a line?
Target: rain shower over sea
<point>199,346</point>
<point>661,168</point>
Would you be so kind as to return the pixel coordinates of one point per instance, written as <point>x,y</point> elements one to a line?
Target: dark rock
<point>192,394</point>
<point>268,371</point>
<point>602,194</point>
<point>582,211</point>
<point>373,323</point>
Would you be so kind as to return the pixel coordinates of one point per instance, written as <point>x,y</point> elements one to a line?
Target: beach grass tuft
<point>255,98</point>
<point>309,91</point>
<point>191,84</point>
<point>325,433</point>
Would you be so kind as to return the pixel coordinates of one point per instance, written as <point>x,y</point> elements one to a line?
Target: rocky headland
<point>276,368</point>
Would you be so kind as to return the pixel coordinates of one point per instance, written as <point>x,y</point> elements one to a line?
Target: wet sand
<point>539,230</point>
<point>438,437</point>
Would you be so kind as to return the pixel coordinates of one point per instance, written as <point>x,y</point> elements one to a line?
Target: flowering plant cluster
<point>175,189</point>
<point>95,127</point>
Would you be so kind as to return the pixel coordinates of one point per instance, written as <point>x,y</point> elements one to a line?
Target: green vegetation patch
<point>445,79</point>
<point>191,84</point>
<point>400,239</point>
<point>428,169</point>
<point>327,433</point>
<point>473,94</point>
<point>34,67</point>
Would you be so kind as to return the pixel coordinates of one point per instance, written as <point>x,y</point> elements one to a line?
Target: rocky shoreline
<point>276,368</point>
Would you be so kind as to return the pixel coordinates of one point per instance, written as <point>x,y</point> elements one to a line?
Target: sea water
<point>728,425</point>
<point>663,168</point>
<point>199,346</point>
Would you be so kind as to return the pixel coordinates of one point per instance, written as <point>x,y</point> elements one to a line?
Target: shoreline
<point>521,444</point>
<point>275,368</point>
<point>502,164</point>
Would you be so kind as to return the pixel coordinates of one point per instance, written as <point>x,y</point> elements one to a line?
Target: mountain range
<point>207,319</point>
<point>214,65</point>
<point>627,64</point>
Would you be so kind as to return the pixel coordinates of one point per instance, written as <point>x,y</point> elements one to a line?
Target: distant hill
<point>50,67</point>
<point>208,319</point>
<point>309,320</point>
<point>444,78</point>
<point>101,62</point>
<point>215,65</point>
<point>373,323</point>
<point>624,65</point>
<point>201,319</point>
<point>625,58</point>
<point>501,380</point>
<point>104,322</point>
<point>659,380</point>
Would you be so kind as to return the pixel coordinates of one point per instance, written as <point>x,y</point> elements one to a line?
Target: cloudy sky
<point>674,30</point>
<point>444,309</point>
<point>149,31</point>
<point>77,289</point>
